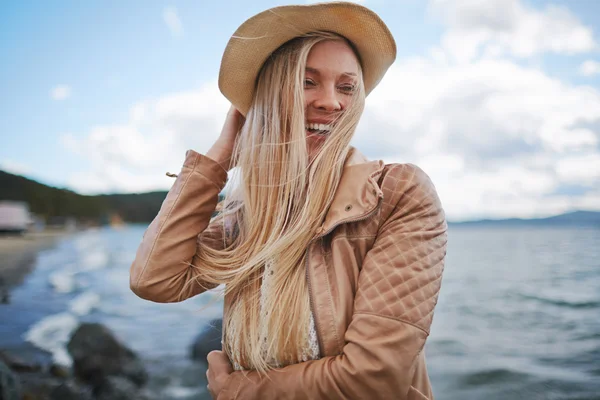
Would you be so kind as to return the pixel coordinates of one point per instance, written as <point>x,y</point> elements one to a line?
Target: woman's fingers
<point>213,357</point>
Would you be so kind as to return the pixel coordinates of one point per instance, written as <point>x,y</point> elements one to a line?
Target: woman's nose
<point>327,100</point>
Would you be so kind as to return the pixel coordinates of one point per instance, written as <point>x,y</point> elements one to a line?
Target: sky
<point>498,101</point>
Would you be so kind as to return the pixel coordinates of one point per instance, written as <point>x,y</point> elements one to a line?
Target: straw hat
<point>262,34</point>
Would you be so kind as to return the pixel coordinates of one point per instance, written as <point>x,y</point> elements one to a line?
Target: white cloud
<point>60,92</point>
<point>14,167</point>
<point>496,27</point>
<point>589,68</point>
<point>498,139</point>
<point>134,155</point>
<point>173,22</point>
<point>583,169</point>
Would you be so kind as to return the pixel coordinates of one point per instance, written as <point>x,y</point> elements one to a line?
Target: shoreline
<point>18,254</point>
<point>30,241</point>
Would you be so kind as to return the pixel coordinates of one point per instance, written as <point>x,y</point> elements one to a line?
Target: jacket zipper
<point>310,295</point>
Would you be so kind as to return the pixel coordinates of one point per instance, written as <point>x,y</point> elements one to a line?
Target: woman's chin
<point>315,136</point>
<point>313,148</point>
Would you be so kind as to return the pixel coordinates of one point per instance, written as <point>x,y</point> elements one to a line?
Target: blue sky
<point>499,101</point>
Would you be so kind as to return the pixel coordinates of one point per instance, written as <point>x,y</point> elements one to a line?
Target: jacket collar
<point>358,192</point>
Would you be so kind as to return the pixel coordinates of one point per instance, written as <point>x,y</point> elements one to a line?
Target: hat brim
<point>259,36</point>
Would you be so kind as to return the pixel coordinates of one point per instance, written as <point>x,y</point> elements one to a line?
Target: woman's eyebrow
<point>317,72</point>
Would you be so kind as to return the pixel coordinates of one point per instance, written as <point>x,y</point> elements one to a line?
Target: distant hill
<point>575,218</point>
<point>48,202</point>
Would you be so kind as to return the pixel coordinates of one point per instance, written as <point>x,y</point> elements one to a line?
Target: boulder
<point>10,385</point>
<point>59,371</point>
<point>97,354</point>
<point>208,340</point>
<point>118,388</point>
<point>18,364</point>
<point>70,390</point>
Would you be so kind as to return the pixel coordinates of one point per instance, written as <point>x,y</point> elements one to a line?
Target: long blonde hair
<point>280,200</point>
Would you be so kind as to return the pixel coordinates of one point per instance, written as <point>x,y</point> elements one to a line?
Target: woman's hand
<point>222,149</point>
<point>218,372</point>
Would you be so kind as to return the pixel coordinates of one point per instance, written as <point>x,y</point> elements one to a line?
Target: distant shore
<point>18,254</point>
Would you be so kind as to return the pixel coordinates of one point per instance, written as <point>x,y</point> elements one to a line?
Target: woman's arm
<point>393,309</point>
<point>161,271</point>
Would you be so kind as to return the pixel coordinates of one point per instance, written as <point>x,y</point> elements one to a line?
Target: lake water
<point>518,315</point>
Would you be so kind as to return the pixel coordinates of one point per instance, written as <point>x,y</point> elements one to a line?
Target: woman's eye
<point>308,82</point>
<point>348,88</point>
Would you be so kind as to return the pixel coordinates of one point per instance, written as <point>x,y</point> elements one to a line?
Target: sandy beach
<point>18,254</point>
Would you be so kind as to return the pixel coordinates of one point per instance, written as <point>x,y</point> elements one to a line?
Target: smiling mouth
<point>318,129</point>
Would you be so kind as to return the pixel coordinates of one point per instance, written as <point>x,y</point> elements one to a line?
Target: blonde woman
<point>331,263</point>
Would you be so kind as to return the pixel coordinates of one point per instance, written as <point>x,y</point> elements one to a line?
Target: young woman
<point>332,264</point>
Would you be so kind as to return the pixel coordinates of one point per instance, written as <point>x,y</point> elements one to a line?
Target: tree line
<point>48,202</point>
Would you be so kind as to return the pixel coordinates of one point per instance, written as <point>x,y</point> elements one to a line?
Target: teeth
<point>319,127</point>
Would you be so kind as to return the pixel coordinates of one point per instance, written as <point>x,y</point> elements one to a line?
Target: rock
<point>38,385</point>
<point>18,364</point>
<point>70,390</point>
<point>59,371</point>
<point>97,354</point>
<point>10,386</point>
<point>208,340</point>
<point>118,388</point>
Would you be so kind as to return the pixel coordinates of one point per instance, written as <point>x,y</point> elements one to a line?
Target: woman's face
<point>331,77</point>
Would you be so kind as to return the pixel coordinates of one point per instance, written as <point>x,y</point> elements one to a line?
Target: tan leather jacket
<point>374,272</point>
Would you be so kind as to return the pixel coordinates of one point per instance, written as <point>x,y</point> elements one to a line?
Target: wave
<point>497,375</point>
<point>94,261</point>
<point>576,304</point>
<point>52,334</point>
<point>179,392</point>
<point>84,303</point>
<point>63,281</point>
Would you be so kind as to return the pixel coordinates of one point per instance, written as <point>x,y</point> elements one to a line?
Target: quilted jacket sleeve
<point>393,310</point>
<point>161,270</point>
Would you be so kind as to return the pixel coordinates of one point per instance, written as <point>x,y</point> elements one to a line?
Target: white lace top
<point>309,352</point>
